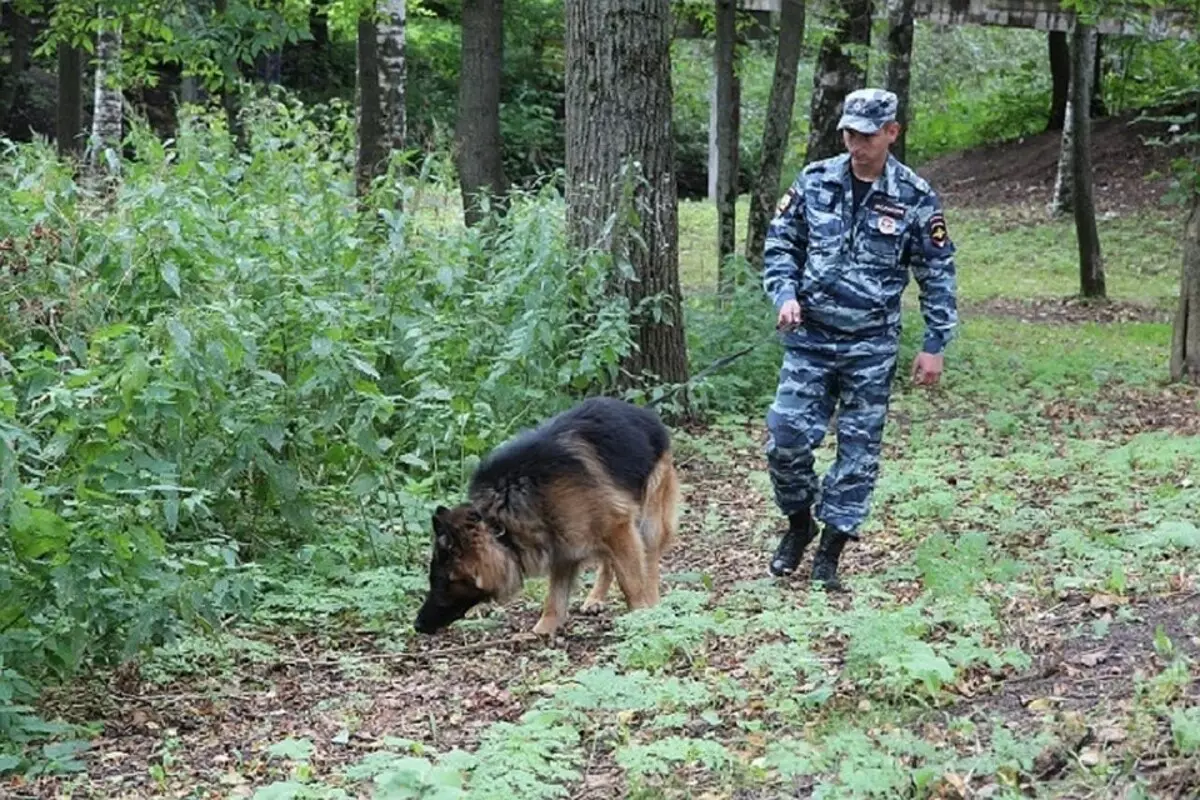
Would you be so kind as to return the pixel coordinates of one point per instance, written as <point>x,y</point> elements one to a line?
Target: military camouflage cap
<point>866,110</point>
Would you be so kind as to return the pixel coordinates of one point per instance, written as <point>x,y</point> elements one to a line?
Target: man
<point>837,258</point>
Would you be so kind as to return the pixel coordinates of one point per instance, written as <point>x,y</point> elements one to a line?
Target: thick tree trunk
<point>1060,78</point>
<point>899,66</point>
<point>727,107</point>
<point>480,150</point>
<point>1091,263</point>
<point>391,33</point>
<point>776,128</point>
<point>620,165</point>
<point>21,34</point>
<point>1185,343</point>
<point>68,114</point>
<point>108,103</point>
<point>369,159</point>
<point>837,74</point>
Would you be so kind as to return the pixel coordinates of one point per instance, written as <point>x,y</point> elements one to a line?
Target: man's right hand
<point>789,315</point>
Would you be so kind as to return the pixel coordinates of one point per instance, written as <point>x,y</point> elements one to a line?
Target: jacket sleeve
<point>931,258</point>
<point>786,247</point>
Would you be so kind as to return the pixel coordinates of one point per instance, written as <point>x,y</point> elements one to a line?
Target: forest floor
<point>1023,617</point>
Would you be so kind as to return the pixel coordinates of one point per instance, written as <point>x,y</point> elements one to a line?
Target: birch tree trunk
<point>1185,340</point>
<point>837,74</point>
<point>104,149</point>
<point>1063,201</point>
<point>1091,263</point>
<point>68,114</point>
<point>724,54</point>
<point>899,66</point>
<point>391,33</point>
<point>480,154</point>
<point>776,128</point>
<point>621,192</point>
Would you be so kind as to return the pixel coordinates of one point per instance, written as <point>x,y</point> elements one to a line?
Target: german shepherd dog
<point>594,484</point>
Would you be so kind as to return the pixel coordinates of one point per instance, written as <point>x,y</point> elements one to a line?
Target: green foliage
<point>532,758</point>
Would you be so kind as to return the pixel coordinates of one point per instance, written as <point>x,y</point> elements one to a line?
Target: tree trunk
<point>899,65</point>
<point>108,103</point>
<point>480,151</point>
<point>68,114</point>
<point>390,43</point>
<point>724,55</point>
<point>1185,342</point>
<point>370,154</point>
<point>231,73</point>
<point>837,74</point>
<point>1099,109</point>
<point>1063,201</point>
<point>1091,263</point>
<point>776,128</point>
<point>1060,77</point>
<point>21,34</point>
<point>621,192</point>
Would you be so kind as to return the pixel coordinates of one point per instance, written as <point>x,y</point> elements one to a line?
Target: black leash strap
<point>718,364</point>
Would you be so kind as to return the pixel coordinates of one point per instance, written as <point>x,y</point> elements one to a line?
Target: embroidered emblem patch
<point>887,225</point>
<point>937,230</point>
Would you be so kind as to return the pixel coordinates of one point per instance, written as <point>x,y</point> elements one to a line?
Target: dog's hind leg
<point>554,611</point>
<point>629,563</point>
<point>595,599</point>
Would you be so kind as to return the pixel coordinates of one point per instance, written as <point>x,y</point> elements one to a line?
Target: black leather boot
<point>801,530</point>
<point>825,562</point>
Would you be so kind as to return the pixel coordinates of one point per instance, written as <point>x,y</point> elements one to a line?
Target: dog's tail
<point>659,517</point>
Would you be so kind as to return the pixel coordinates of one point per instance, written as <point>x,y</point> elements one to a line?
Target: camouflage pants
<point>821,375</point>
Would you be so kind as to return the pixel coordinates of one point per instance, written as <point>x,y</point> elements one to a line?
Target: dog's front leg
<point>554,612</point>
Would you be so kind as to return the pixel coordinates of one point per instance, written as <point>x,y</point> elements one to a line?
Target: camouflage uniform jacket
<point>848,272</point>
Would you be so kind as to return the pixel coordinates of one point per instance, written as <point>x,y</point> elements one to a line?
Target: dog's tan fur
<point>574,522</point>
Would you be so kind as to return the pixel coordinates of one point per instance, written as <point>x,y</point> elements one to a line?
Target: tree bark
<point>621,192</point>
<point>108,103</point>
<point>392,79</point>
<point>1063,201</point>
<point>370,154</point>
<point>480,150</point>
<point>1185,341</point>
<point>775,128</point>
<point>229,88</point>
<point>724,55</point>
<point>68,114</point>
<point>1091,263</point>
<point>21,34</point>
<point>1099,109</point>
<point>1060,78</point>
<point>837,74</point>
<point>899,66</point>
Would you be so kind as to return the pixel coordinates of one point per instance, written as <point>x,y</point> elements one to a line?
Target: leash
<point>723,361</point>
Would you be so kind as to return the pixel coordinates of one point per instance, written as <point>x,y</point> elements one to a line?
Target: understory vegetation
<point>230,398</point>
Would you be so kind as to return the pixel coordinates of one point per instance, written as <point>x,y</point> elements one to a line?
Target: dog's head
<point>468,567</point>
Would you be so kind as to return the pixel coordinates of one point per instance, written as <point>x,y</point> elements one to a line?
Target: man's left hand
<point>927,369</point>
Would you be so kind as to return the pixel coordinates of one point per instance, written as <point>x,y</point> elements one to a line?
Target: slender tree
<point>837,74</point>
<point>480,155</point>
<point>1185,339</point>
<point>68,112</point>
<point>369,107</point>
<point>899,65</point>
<point>392,76</point>
<point>1091,262</point>
<point>776,128</point>
<point>108,109</point>
<point>1060,78</point>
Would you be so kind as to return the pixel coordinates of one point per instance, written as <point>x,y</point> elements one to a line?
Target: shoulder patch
<point>936,228</point>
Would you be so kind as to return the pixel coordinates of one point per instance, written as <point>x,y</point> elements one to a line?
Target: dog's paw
<point>546,626</point>
<point>593,607</point>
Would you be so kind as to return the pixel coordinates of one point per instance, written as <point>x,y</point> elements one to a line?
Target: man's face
<point>870,148</point>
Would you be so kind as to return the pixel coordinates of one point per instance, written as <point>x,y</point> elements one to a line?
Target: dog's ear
<point>443,531</point>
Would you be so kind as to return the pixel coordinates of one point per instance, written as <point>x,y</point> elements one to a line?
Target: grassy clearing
<point>1023,623</point>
